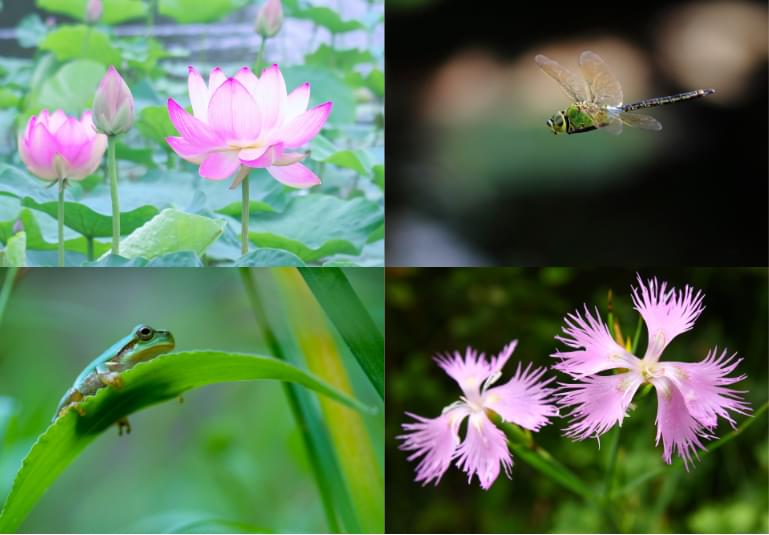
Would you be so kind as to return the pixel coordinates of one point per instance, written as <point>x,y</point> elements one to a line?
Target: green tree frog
<point>144,343</point>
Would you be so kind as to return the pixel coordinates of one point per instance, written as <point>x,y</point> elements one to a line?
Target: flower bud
<point>269,19</point>
<point>113,105</point>
<point>93,11</point>
<point>18,226</point>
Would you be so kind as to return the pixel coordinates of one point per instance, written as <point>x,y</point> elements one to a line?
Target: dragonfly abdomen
<point>661,101</point>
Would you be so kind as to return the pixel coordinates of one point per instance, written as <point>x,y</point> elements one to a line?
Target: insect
<point>597,98</point>
<point>144,343</point>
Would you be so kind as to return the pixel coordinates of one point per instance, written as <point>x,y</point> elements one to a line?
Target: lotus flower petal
<point>294,175</point>
<point>305,126</point>
<point>198,94</point>
<point>219,165</point>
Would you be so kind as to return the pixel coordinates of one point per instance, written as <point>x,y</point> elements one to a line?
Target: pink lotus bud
<point>55,146</point>
<point>269,19</point>
<point>18,226</point>
<point>113,105</point>
<point>93,11</point>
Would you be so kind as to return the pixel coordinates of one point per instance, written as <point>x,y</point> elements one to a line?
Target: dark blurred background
<point>436,310</point>
<point>475,177</point>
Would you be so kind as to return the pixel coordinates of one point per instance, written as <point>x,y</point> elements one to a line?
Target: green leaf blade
<point>149,383</point>
<point>346,311</point>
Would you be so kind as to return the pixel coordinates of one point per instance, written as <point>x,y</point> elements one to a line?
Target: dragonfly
<point>597,99</point>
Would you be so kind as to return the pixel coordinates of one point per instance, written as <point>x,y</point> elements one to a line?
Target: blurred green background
<point>231,453</point>
<point>435,310</point>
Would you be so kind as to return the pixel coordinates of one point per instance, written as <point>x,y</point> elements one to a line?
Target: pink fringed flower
<point>691,395</point>
<point>524,400</point>
<point>55,146</point>
<point>247,121</point>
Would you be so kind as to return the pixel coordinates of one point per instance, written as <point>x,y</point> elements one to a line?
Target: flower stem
<point>89,245</point>
<point>260,55</point>
<point>613,452</point>
<point>244,215</point>
<point>62,182</point>
<point>112,162</point>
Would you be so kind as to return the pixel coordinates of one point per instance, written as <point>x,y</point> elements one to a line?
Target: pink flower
<point>113,104</point>
<point>93,10</point>
<point>523,400</point>
<point>269,19</point>
<point>55,146</point>
<point>691,395</point>
<point>248,121</point>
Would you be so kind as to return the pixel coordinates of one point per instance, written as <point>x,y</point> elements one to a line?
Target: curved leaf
<point>315,226</point>
<point>269,257</point>
<point>171,231</point>
<point>149,383</point>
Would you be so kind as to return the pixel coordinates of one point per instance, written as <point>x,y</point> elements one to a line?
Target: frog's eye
<point>145,332</point>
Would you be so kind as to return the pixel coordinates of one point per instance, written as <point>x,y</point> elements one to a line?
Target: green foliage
<point>171,231</point>
<point>71,88</point>
<point>81,42</point>
<point>329,19</point>
<point>114,11</point>
<point>186,11</point>
<point>345,310</point>
<point>154,124</point>
<point>338,226</point>
<point>15,251</point>
<point>147,384</point>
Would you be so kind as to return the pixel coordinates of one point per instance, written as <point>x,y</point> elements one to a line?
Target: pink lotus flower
<point>113,104</point>
<point>269,19</point>
<point>523,400</point>
<point>93,10</point>
<point>55,146</point>
<point>690,395</point>
<point>248,121</point>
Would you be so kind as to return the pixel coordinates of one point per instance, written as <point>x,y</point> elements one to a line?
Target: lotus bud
<point>18,226</point>
<point>269,19</point>
<point>113,105</point>
<point>93,11</point>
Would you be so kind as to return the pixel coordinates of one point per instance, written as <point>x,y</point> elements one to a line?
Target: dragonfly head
<point>557,123</point>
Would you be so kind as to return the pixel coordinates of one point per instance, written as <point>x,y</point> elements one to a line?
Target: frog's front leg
<point>109,377</point>
<point>73,397</point>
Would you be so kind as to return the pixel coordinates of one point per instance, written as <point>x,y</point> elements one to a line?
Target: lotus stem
<point>62,182</point>
<point>112,162</point>
<point>244,215</point>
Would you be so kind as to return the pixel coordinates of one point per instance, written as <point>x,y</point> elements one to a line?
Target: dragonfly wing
<point>641,120</point>
<point>613,127</point>
<point>605,89</point>
<point>574,85</point>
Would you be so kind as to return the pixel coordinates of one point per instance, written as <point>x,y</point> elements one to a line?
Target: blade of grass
<point>336,502</point>
<point>363,475</point>
<point>345,310</point>
<point>148,383</point>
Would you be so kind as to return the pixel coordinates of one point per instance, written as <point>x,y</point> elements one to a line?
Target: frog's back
<point>108,354</point>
